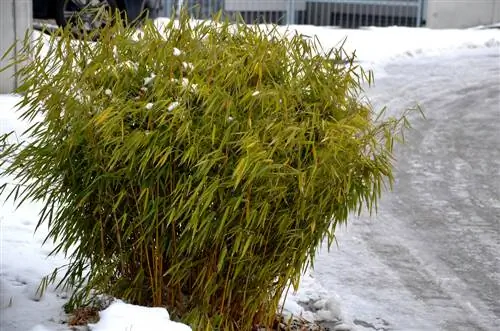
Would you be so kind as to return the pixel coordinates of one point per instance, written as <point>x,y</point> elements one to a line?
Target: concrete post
<point>16,17</point>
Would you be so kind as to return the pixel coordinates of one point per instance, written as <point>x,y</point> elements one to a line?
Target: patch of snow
<point>187,66</point>
<point>173,105</point>
<point>177,52</point>
<point>312,302</point>
<point>149,79</point>
<point>123,316</point>
<point>185,82</point>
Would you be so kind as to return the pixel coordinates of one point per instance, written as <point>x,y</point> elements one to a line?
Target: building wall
<point>443,14</point>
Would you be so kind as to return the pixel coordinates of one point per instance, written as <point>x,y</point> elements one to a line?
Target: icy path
<point>430,259</point>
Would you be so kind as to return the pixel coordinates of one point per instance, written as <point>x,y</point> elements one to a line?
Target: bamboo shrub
<point>196,166</point>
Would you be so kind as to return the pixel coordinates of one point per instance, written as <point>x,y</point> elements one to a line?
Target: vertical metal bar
<point>167,8</point>
<point>325,14</point>
<point>308,13</point>
<point>373,15</point>
<point>179,7</point>
<point>383,12</point>
<point>387,15</point>
<point>290,12</point>
<point>380,10</point>
<point>314,19</point>
<point>393,13</point>
<point>419,13</point>
<point>361,10</point>
<point>300,16</point>
<point>341,16</point>
<point>320,8</point>
<point>364,12</point>
<point>348,15</point>
<point>333,14</point>
<point>379,15</point>
<point>406,13</point>
<point>355,16</point>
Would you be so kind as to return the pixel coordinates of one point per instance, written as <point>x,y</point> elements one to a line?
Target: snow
<point>376,46</point>
<point>24,261</point>
<point>148,80</point>
<point>177,52</point>
<point>187,66</point>
<point>312,302</point>
<point>173,105</point>
<point>382,45</point>
<point>123,316</point>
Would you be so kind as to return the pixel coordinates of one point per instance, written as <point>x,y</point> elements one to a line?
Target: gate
<point>341,13</point>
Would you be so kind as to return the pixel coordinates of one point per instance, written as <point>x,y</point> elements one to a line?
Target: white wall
<point>15,18</point>
<point>445,14</point>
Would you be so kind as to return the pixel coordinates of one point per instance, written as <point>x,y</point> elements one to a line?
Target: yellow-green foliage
<point>198,166</point>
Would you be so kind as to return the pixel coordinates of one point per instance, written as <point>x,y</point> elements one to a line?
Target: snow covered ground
<point>428,261</point>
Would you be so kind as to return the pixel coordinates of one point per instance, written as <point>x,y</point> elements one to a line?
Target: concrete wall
<point>443,14</point>
<point>15,18</point>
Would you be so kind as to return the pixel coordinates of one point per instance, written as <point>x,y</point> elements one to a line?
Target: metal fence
<point>342,13</point>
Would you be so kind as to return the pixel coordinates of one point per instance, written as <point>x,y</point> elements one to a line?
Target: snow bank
<point>123,316</point>
<point>374,45</point>
<point>377,45</point>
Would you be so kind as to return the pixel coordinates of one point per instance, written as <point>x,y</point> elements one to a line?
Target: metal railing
<point>342,13</point>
